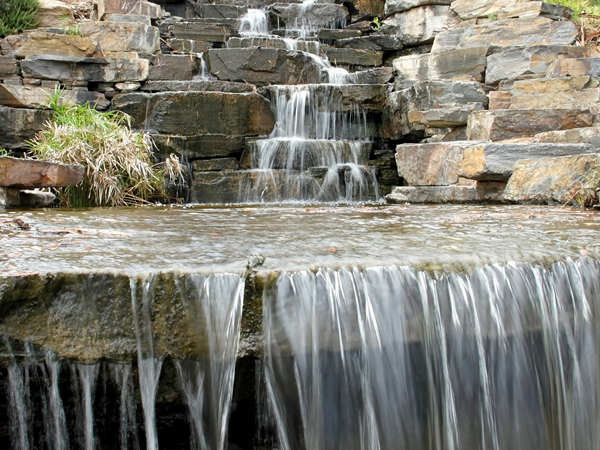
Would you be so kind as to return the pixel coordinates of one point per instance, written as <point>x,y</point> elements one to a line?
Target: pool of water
<point>290,237</point>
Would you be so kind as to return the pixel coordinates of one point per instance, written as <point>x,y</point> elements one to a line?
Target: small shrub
<point>117,160</point>
<point>17,16</point>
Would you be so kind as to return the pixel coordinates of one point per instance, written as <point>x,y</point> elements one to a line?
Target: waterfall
<point>253,23</point>
<point>504,357</point>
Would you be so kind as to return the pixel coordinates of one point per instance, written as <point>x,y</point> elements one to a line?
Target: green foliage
<point>118,161</point>
<point>73,30</point>
<point>4,152</point>
<point>17,16</point>
<point>589,6</point>
<point>492,17</point>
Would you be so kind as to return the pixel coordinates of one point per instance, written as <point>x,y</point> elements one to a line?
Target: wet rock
<point>574,136</point>
<point>328,34</point>
<point>70,68</point>
<point>495,161</point>
<point>29,173</point>
<point>396,6</point>
<point>434,164</point>
<point>517,62</point>
<point>43,43</point>
<point>18,125</point>
<point>191,113</point>
<point>217,187</point>
<point>378,75</point>
<point>35,199</point>
<point>122,36</point>
<point>197,85</point>
<point>457,65</point>
<point>264,66</point>
<point>199,146</point>
<point>275,42</point>
<point>204,30</point>
<point>39,97</point>
<point>505,9</point>
<point>173,67</point>
<point>508,32</point>
<point>574,67</point>
<point>487,192</point>
<point>446,117</point>
<point>353,57</point>
<point>217,164</point>
<point>317,14</point>
<point>501,124</point>
<point>418,25</point>
<point>563,179</point>
<point>373,42</point>
<point>53,13</point>
<point>9,67</point>
<point>209,11</point>
<point>186,46</point>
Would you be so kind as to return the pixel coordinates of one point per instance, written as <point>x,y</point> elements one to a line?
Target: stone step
<point>563,180</point>
<point>513,63</point>
<point>216,11</point>
<point>483,192</point>
<point>574,67</point>
<point>19,125</point>
<point>215,165</point>
<point>417,26</point>
<point>377,75</point>
<point>44,43</point>
<point>30,173</point>
<point>194,113</point>
<point>330,34</point>
<point>174,67</point>
<point>122,36</point>
<point>354,57</point>
<point>373,42</point>
<point>38,97</point>
<point>495,161</point>
<point>501,124</point>
<point>207,145</point>
<point>196,85</point>
<point>509,9</point>
<point>573,136</point>
<point>300,154</point>
<point>507,33</point>
<point>274,42</point>
<point>200,30</point>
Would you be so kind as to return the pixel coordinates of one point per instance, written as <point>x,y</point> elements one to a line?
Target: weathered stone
<point>127,86</point>
<point>9,67</point>
<point>514,63</point>
<point>396,6</point>
<point>204,31</point>
<point>35,199</point>
<point>139,7</point>
<point>217,164</point>
<point>583,99</point>
<point>505,9</point>
<point>128,18</point>
<point>197,85</point>
<point>53,13</point>
<point>274,42</point>
<point>501,124</point>
<point>209,11</point>
<point>499,99</point>
<point>373,42</point>
<point>43,43</point>
<point>188,46</point>
<point>371,7</point>
<point>353,57</point>
<point>378,75</point>
<point>552,85</point>
<point>199,146</point>
<point>418,25</point>
<point>448,117</point>
<point>174,67</point>
<point>458,65</point>
<point>573,136</point>
<point>122,36</point>
<point>328,34</point>
<point>69,68</point>
<point>190,113</point>
<point>29,173</point>
<point>486,192</point>
<point>217,187</point>
<point>18,125</point>
<point>574,67</point>
<point>457,134</point>
<point>547,180</point>
<point>263,66</point>
<point>508,32</point>
<point>435,164</point>
<point>317,14</point>
<point>38,97</point>
<point>495,161</point>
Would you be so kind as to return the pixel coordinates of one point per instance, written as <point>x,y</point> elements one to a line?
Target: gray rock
<point>378,75</point>
<point>396,6</point>
<point>18,125</point>
<point>35,199</point>
<point>187,46</point>
<point>217,187</point>
<point>328,34</point>
<point>573,136</point>
<point>487,192</point>
<point>127,18</point>
<point>9,66</point>
<point>444,117</point>
<point>353,57</point>
<point>210,11</point>
<point>317,14</point>
<point>418,25</point>
<point>505,9</point>
<point>197,85</point>
<point>216,164</point>
<point>199,146</point>
<point>173,67</point>
<point>122,36</point>
<point>275,42</point>
<point>204,30</point>
<point>39,97</point>
<point>374,42</point>
<point>192,113</point>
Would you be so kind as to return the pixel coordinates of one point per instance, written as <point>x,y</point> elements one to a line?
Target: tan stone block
<point>586,98</point>
<point>589,135</point>
<point>499,99</point>
<point>43,43</point>
<point>546,86</point>
<point>39,97</point>
<point>122,36</point>
<point>574,67</point>
<point>54,13</point>
<point>15,172</point>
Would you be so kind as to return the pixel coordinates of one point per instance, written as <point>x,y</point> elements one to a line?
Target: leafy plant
<point>17,16</point>
<point>73,30</point>
<point>4,152</point>
<point>117,160</point>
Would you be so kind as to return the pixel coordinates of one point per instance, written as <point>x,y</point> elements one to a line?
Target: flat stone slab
<point>574,67</point>
<point>584,99</point>
<point>589,135</point>
<point>122,36</point>
<point>264,66</point>
<point>44,43</point>
<point>564,180</point>
<point>418,25</point>
<point>495,161</point>
<point>505,9</point>
<point>194,113</point>
<point>38,97</point>
<point>196,85</point>
<point>445,194</point>
<point>396,6</point>
<point>9,66</point>
<point>501,124</point>
<point>29,173</point>
<point>174,67</point>
<point>199,146</point>
<point>215,164</point>
<point>354,57</point>
<point>209,11</point>
<point>19,125</point>
<point>373,42</point>
<point>313,47</point>
<point>443,118</point>
<point>69,68</point>
<point>328,34</point>
<point>204,30</point>
<point>516,62</point>
<point>377,75</point>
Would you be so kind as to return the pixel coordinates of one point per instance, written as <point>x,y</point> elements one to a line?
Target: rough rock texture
<point>200,146</point>
<point>44,43</point>
<point>574,136</point>
<point>318,14</point>
<point>503,9</point>
<point>35,199</point>
<point>197,85</point>
<point>204,31</point>
<point>217,187</point>
<point>495,161</point>
<point>216,164</point>
<point>396,6</point>
<point>501,124</point>
<point>378,75</point>
<point>68,68</point>
<point>354,57</point>
<point>574,67</point>
<point>563,179</point>
<point>486,192</point>
<point>38,97</point>
<point>122,36</point>
<point>52,13</point>
<point>418,25</point>
<point>517,62</point>
<point>263,66</point>
<point>173,67</point>
<point>29,173</point>
<point>9,67</point>
<point>583,99</point>
<point>18,125</point>
<point>374,42</point>
<point>137,7</point>
<point>192,113</point>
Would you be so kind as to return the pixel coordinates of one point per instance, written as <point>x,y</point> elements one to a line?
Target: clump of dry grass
<point>119,170</point>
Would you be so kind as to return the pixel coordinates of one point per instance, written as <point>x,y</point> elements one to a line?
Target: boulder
<point>30,173</point>
<point>482,192</point>
<point>54,13</point>
<point>70,68</point>
<point>19,125</point>
<point>44,43</point>
<point>396,6</point>
<point>353,57</point>
<point>197,85</point>
<point>139,7</point>
<point>457,65</point>
<point>264,66</point>
<point>506,9</point>
<point>9,67</point>
<point>495,161</point>
<point>507,33</point>
<point>501,124</point>
<point>373,42</point>
<point>434,164</point>
<point>122,36</point>
<point>199,146</point>
<point>38,97</point>
<point>418,25</point>
<point>192,113</point>
<point>574,67</point>
<point>573,136</point>
<point>566,179</point>
<point>173,67</point>
<point>517,62</point>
